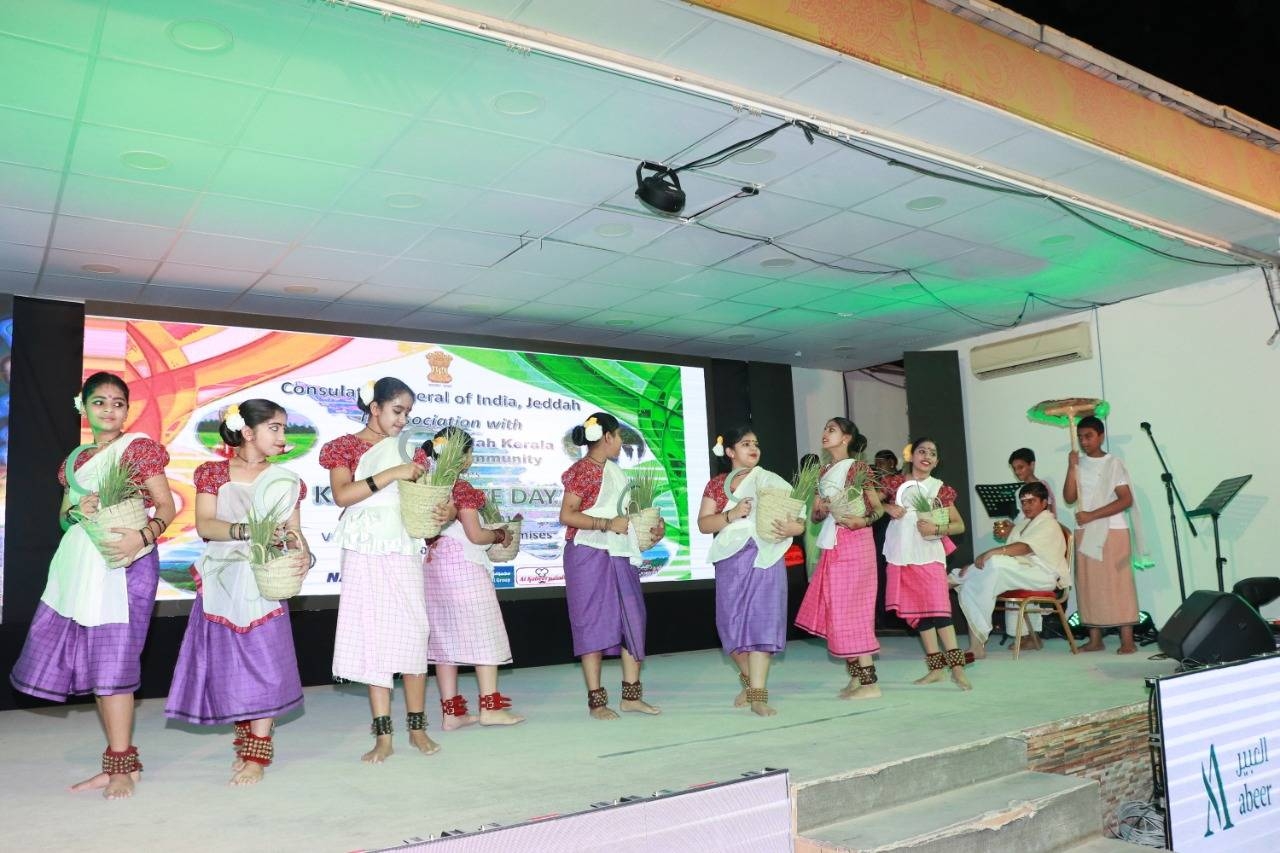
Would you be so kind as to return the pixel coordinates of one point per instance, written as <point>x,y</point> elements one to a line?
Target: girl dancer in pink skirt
<point>840,603</point>
<point>466,622</point>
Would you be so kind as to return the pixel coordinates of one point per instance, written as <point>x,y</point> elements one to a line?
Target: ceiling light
<point>101,269</point>
<point>301,288</point>
<point>517,103</point>
<point>405,201</point>
<point>619,324</point>
<point>1058,240</point>
<point>147,161</point>
<point>843,348</point>
<point>778,262</point>
<point>660,192</point>
<point>926,202</point>
<point>844,314</point>
<point>613,229</point>
<point>753,156</point>
<point>200,36</point>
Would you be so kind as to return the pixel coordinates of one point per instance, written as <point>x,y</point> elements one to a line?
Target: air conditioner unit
<point>1032,352</point>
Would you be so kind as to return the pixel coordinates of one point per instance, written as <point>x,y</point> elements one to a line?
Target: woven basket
<point>775,505</point>
<point>842,506</point>
<point>130,514</point>
<point>643,523</point>
<point>939,516</point>
<point>418,502</point>
<point>503,553</point>
<point>279,578</point>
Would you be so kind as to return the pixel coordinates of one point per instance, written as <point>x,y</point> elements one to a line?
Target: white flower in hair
<point>79,404</point>
<point>718,450</point>
<point>592,429</point>
<point>366,392</point>
<point>233,419</point>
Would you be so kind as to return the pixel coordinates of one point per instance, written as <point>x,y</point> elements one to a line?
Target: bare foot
<point>424,744</point>
<point>762,709</point>
<point>1092,647</point>
<point>499,718</point>
<point>604,712</point>
<point>1027,645</point>
<point>456,721</point>
<point>958,676</point>
<point>864,691</point>
<point>638,706</point>
<point>116,787</point>
<point>381,750</point>
<point>849,689</point>
<point>249,774</point>
<point>1126,650</point>
<point>931,677</point>
<point>979,651</point>
<point>740,700</point>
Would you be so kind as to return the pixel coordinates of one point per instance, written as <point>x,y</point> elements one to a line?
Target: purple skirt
<point>606,606</point>
<point>62,658</point>
<point>751,604</point>
<point>224,675</point>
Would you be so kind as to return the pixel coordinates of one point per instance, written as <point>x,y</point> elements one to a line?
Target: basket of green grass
<point>120,504</point>
<point>419,498</point>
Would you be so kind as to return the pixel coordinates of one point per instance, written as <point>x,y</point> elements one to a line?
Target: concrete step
<point>838,798</point>
<point>1104,845</point>
<point>1025,812</point>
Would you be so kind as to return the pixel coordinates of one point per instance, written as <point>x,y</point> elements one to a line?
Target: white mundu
<point>1044,568</point>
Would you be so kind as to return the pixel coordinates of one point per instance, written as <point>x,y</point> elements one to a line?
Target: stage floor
<point>320,797</point>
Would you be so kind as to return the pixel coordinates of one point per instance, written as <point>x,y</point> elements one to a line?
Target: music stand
<point>1212,506</point>
<point>999,500</point>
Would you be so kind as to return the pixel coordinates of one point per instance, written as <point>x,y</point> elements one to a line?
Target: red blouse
<point>716,491</point>
<point>467,496</point>
<point>582,479</point>
<point>212,476</point>
<point>343,452</point>
<point>146,456</point>
<point>890,485</point>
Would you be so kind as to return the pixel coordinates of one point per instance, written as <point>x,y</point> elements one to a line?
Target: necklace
<point>101,444</point>
<point>242,458</point>
<point>370,428</point>
<point>594,461</point>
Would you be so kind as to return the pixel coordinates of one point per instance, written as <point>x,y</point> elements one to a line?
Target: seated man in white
<point>1034,557</point>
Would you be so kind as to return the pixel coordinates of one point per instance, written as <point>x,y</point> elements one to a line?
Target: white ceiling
<point>325,163</point>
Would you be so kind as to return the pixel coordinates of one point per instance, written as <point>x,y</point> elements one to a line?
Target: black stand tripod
<point>1213,506</point>
<point>1171,491</point>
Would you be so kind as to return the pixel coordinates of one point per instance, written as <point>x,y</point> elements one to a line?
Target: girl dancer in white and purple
<point>382,612</point>
<point>602,588</point>
<point>91,624</point>
<point>466,622</point>
<point>751,577</point>
<point>237,664</point>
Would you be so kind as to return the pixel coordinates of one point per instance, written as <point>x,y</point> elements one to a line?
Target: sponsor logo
<point>504,577</point>
<point>540,576</point>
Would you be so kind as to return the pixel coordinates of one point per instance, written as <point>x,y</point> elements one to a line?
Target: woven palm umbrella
<point>1066,411</point>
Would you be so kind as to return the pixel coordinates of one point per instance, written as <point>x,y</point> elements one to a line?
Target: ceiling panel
<point>309,160</point>
<point>34,139</point>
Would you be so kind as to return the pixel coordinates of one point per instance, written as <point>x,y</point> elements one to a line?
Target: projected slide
<point>519,406</point>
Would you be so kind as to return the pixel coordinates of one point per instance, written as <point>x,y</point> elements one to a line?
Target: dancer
<point>916,579</point>
<point>840,604</point>
<point>1098,484</point>
<point>91,623</point>
<point>462,606</point>
<point>751,577</point>
<point>602,589</point>
<point>237,663</point>
<point>382,612</point>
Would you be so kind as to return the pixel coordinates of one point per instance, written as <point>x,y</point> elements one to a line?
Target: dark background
<point>1223,51</point>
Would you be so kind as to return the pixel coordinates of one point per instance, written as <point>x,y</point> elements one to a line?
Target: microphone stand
<point>1171,491</point>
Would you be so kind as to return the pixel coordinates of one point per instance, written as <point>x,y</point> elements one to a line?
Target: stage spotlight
<point>660,192</point>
